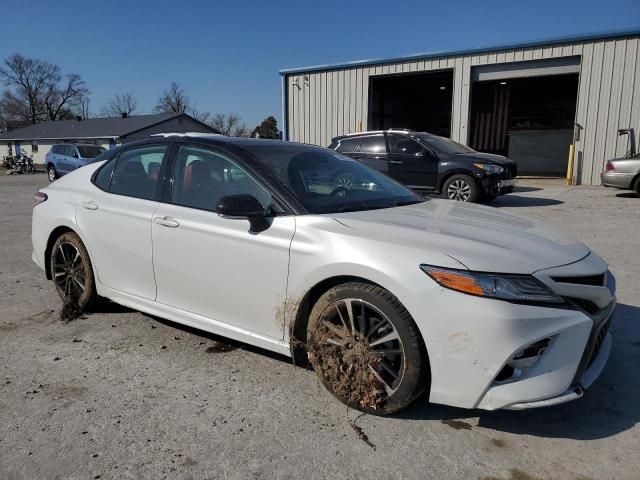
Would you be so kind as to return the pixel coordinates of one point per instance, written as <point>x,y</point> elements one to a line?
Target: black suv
<point>430,164</point>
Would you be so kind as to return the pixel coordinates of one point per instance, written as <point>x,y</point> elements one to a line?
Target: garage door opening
<point>419,102</point>
<point>530,120</point>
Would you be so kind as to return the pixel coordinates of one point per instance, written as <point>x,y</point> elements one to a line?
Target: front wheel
<point>71,270</point>
<point>366,349</point>
<point>461,188</point>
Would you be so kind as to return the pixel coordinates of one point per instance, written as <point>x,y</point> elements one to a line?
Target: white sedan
<point>388,295</point>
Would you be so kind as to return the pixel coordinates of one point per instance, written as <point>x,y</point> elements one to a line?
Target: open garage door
<point>526,111</point>
<point>418,101</point>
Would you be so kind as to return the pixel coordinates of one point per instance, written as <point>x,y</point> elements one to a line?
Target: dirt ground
<point>121,395</point>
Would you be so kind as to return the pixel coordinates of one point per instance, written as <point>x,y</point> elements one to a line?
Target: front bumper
<point>473,341</point>
<point>617,179</point>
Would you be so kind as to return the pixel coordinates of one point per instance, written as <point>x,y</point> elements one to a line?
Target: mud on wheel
<point>366,348</point>
<point>71,270</point>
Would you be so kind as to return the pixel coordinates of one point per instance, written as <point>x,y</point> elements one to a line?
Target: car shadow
<point>608,408</point>
<point>518,188</point>
<point>627,195</point>
<point>510,200</point>
<point>223,344</point>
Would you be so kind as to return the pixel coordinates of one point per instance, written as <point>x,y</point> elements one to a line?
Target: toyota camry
<point>386,294</point>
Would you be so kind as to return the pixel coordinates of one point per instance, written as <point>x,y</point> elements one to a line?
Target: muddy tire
<point>462,188</point>
<point>361,342</point>
<point>71,270</point>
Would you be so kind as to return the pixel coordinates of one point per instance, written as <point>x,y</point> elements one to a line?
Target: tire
<point>63,258</point>
<point>52,173</point>
<point>636,187</point>
<point>411,365</point>
<point>462,188</point>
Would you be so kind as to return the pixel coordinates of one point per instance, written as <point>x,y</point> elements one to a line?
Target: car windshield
<point>89,151</point>
<point>327,182</point>
<point>445,145</point>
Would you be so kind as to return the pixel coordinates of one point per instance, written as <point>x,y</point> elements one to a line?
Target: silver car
<point>623,173</point>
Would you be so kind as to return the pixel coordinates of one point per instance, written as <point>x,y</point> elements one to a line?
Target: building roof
<point>92,128</point>
<point>469,51</point>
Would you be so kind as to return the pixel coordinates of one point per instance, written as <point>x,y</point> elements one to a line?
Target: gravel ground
<point>122,395</point>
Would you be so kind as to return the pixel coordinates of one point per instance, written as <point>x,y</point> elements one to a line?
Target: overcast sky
<point>227,54</point>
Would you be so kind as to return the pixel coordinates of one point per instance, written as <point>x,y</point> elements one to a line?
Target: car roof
<point>401,131</point>
<point>216,139</point>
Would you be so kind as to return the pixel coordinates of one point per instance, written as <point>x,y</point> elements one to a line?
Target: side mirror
<point>243,206</point>
<point>75,155</point>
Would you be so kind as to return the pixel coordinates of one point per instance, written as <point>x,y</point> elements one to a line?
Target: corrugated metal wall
<point>323,104</point>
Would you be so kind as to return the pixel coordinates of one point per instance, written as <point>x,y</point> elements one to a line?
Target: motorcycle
<point>19,164</point>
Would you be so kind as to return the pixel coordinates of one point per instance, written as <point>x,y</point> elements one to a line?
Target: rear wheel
<point>637,187</point>
<point>71,270</point>
<point>461,188</point>
<point>51,173</point>
<point>366,348</point>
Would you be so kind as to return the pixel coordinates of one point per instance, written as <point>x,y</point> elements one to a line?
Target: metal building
<point>528,101</point>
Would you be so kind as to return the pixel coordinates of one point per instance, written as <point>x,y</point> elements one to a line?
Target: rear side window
<point>373,144</point>
<point>348,145</point>
<point>136,172</point>
<point>89,151</point>
<point>103,177</point>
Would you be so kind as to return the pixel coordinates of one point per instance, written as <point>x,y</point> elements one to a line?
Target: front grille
<point>599,339</point>
<point>594,280</point>
<point>586,305</point>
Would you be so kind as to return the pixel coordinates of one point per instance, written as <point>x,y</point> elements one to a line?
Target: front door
<point>412,164</point>
<point>213,266</point>
<point>115,217</point>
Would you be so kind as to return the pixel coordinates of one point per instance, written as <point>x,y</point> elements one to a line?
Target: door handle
<point>396,162</point>
<point>90,205</point>
<point>166,222</point>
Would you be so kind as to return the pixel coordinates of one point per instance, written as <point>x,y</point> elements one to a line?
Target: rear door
<point>214,266</point>
<point>65,159</point>
<point>373,152</point>
<point>411,163</point>
<point>115,215</point>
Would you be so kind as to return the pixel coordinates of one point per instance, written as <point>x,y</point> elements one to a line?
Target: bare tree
<point>37,90</point>
<point>229,124</point>
<point>63,99</point>
<point>84,109</point>
<point>28,81</point>
<point>122,103</point>
<point>198,115</point>
<point>173,100</point>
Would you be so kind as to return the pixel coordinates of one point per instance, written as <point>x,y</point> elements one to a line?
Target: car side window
<point>135,173</point>
<point>72,151</point>
<point>103,177</point>
<point>348,145</point>
<point>402,145</point>
<point>55,149</point>
<point>202,177</point>
<point>373,144</point>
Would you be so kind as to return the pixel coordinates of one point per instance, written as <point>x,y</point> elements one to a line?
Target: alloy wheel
<point>52,174</point>
<point>69,271</point>
<point>459,190</point>
<point>359,328</point>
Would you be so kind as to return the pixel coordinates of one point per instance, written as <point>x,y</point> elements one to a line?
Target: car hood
<point>486,157</point>
<point>481,238</point>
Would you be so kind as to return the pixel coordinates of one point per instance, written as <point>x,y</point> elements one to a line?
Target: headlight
<point>489,167</point>
<point>519,288</point>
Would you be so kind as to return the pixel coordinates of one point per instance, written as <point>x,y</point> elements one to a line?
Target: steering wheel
<point>339,192</point>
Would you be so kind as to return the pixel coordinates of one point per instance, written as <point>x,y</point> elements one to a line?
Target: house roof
<point>92,128</point>
<point>469,51</point>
